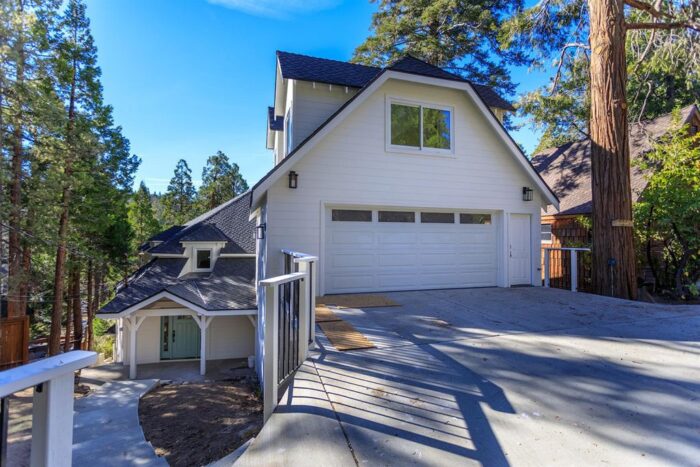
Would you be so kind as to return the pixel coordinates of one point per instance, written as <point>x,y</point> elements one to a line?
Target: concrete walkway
<point>497,377</point>
<point>106,428</point>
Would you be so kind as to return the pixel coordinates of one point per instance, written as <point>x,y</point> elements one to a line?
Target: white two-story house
<point>396,178</point>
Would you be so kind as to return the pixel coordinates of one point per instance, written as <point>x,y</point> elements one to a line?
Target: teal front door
<point>180,337</point>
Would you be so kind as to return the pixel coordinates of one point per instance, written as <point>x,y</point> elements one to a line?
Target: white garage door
<point>381,250</point>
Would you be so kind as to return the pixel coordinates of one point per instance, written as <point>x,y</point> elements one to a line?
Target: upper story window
<point>202,259</point>
<point>288,132</point>
<point>420,127</point>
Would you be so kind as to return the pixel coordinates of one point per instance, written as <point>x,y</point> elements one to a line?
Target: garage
<point>374,249</point>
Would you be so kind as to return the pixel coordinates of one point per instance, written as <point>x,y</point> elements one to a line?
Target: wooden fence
<point>14,341</point>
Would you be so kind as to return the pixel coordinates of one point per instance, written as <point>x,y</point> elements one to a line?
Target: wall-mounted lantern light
<point>260,231</point>
<point>527,194</point>
<point>293,179</point>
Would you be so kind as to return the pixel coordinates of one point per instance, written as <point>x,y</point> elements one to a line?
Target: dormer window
<point>202,259</point>
<point>417,127</point>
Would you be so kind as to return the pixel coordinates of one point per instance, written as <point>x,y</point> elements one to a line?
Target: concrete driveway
<point>523,376</point>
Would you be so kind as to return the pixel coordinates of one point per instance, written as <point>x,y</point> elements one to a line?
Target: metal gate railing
<point>288,325</point>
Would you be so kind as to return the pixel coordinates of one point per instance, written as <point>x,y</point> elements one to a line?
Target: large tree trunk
<point>54,337</point>
<point>77,306</point>
<point>89,339</point>
<point>613,247</point>
<point>15,217</point>
<point>69,322</point>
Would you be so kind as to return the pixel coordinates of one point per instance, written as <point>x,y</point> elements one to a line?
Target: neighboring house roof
<point>322,70</point>
<point>420,69</point>
<point>229,222</point>
<point>567,168</point>
<point>229,286</point>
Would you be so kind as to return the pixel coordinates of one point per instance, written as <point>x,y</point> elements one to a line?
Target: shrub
<point>104,345</point>
<point>100,326</point>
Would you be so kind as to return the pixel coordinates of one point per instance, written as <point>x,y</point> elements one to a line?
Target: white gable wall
<point>350,166</point>
<point>313,104</point>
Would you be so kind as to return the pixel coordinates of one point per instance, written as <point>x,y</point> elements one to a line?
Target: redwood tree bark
<point>90,306</point>
<point>77,306</point>
<point>613,246</point>
<point>15,188</point>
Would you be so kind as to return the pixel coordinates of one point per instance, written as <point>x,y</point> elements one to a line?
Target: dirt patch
<point>199,423</point>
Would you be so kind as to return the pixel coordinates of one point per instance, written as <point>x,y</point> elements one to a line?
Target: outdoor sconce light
<point>527,194</point>
<point>260,231</point>
<point>293,179</point>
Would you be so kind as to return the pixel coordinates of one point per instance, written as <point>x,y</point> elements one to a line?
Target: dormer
<point>202,248</point>
<point>309,90</point>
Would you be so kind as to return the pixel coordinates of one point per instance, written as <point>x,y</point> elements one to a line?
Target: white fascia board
<point>167,255</point>
<point>289,162</point>
<point>185,304</point>
<point>237,255</point>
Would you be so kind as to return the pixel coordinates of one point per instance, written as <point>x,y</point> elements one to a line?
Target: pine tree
<point>180,197</point>
<point>460,36</point>
<point>221,181</point>
<point>602,27</point>
<point>141,216</point>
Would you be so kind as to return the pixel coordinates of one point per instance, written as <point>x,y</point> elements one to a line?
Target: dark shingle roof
<point>274,123</point>
<point>204,233</point>
<point>567,168</point>
<point>228,222</point>
<point>160,237</point>
<point>230,286</point>
<point>322,70</point>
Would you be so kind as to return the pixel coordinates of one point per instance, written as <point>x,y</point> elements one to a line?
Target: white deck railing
<point>289,322</point>
<point>573,265</point>
<point>52,408</point>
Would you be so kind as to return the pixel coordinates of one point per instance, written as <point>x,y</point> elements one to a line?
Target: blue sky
<point>189,77</point>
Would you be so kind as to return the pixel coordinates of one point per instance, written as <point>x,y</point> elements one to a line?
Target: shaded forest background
<point>70,221</point>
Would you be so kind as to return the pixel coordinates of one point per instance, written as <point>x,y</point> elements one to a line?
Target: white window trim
<point>546,242</point>
<point>288,132</point>
<point>211,260</point>
<point>421,150</point>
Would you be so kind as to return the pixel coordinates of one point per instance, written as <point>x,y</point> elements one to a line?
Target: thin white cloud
<point>277,8</point>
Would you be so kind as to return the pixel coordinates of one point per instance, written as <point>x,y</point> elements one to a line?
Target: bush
<point>100,326</point>
<point>104,345</point>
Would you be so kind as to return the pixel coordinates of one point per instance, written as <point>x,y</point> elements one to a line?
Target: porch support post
<point>546,266</point>
<point>203,322</point>
<point>52,422</point>
<point>134,324</point>
<point>574,270</point>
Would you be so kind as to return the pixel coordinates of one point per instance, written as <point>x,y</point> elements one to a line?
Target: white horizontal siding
<point>312,106</point>
<point>351,167</point>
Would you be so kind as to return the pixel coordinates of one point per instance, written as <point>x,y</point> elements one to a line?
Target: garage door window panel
<point>351,215</point>
<point>437,218</point>
<point>397,216</point>
<point>474,218</point>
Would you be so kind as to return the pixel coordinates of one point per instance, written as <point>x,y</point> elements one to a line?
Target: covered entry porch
<point>168,328</point>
